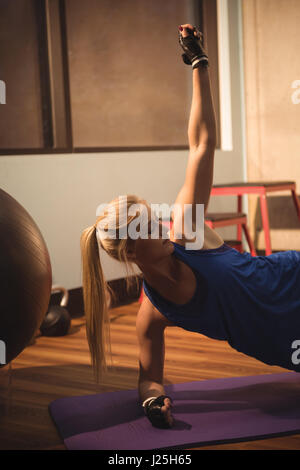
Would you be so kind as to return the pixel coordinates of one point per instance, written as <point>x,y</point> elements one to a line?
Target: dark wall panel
<point>129,86</point>
<point>21,116</point>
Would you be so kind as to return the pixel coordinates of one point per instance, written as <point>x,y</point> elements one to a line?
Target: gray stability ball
<point>25,276</point>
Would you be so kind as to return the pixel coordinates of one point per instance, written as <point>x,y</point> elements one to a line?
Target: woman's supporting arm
<point>150,334</point>
<point>150,325</point>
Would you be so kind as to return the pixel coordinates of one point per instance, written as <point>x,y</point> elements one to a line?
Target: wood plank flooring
<point>59,367</point>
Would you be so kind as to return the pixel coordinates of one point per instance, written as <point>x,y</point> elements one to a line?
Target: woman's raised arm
<point>201,129</point>
<point>202,121</point>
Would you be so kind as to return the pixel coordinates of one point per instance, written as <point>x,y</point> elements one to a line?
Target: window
<point>98,75</point>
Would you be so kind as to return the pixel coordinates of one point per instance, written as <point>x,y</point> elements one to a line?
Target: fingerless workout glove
<point>152,408</point>
<point>194,53</point>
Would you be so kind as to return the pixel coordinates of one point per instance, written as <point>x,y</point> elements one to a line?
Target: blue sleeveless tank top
<point>253,302</point>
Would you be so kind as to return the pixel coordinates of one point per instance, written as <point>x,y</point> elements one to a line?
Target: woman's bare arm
<point>202,142</point>
<point>202,121</point>
<point>150,326</point>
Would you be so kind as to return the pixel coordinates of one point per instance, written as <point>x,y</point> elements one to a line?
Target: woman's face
<point>150,250</point>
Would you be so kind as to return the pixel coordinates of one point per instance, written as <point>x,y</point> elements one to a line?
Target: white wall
<point>62,192</point>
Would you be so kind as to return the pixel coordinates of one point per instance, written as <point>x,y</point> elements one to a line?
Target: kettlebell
<point>57,320</point>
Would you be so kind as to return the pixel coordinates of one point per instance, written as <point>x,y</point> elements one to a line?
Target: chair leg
<point>249,240</point>
<point>265,222</point>
<point>296,202</point>
<point>141,296</point>
<point>240,248</point>
<point>239,209</point>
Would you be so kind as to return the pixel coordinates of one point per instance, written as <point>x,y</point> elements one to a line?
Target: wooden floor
<point>59,367</point>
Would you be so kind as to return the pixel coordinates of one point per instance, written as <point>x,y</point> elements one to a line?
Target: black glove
<point>153,412</point>
<point>194,53</point>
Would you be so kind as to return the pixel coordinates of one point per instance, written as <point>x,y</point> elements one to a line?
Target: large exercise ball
<point>25,276</point>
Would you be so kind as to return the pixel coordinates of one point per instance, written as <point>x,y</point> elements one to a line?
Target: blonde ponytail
<point>96,291</point>
<point>96,295</point>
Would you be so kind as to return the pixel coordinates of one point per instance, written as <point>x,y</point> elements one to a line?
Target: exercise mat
<point>205,412</point>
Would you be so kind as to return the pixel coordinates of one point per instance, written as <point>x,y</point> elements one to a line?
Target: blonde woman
<point>251,302</point>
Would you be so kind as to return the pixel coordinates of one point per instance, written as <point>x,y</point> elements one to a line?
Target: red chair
<point>261,188</point>
<point>225,219</point>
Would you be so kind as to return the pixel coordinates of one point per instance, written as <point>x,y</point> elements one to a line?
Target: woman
<point>251,302</point>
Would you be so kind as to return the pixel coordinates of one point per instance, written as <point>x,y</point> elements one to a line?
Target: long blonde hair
<point>97,294</point>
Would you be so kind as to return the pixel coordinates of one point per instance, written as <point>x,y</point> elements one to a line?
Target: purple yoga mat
<point>205,412</point>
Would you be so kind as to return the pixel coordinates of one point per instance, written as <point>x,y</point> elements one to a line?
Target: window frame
<point>201,9</point>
